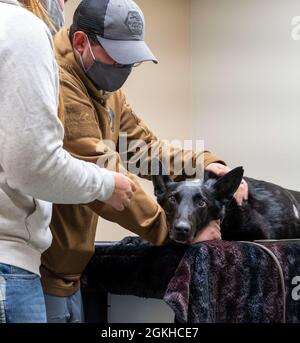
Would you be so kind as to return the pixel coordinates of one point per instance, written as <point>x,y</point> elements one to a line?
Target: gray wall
<point>246,85</point>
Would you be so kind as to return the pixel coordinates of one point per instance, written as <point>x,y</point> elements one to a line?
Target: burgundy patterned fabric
<point>231,282</point>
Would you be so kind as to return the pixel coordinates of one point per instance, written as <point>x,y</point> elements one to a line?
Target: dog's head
<point>190,206</point>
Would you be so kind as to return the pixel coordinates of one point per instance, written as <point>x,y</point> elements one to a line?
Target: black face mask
<point>106,77</point>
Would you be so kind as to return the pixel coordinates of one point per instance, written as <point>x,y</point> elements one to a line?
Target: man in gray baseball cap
<point>96,56</point>
<point>119,28</point>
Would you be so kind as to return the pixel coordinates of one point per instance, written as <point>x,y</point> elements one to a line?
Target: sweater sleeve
<point>31,135</point>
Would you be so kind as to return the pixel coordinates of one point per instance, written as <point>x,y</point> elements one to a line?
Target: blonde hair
<point>38,9</point>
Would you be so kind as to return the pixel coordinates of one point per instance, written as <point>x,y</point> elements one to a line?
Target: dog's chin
<point>180,239</point>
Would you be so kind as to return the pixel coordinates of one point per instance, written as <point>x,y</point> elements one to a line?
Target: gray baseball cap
<point>119,26</point>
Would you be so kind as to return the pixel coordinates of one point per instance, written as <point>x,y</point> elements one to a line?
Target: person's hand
<point>220,170</point>
<point>210,233</point>
<point>242,193</point>
<point>123,192</point>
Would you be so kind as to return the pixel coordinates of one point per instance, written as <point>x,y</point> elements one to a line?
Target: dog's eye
<point>201,203</point>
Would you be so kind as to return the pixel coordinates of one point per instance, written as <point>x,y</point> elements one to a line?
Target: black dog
<point>271,211</point>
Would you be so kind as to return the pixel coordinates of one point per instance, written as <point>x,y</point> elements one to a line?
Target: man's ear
<point>79,41</point>
<point>160,179</point>
<point>228,184</point>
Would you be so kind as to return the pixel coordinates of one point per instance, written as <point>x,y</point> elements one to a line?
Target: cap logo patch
<point>135,23</point>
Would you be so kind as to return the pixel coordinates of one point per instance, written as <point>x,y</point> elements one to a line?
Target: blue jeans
<point>21,296</point>
<point>64,309</point>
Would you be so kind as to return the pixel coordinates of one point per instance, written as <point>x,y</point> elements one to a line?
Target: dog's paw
<point>132,241</point>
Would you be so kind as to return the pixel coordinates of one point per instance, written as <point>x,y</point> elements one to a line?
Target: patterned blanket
<point>213,282</point>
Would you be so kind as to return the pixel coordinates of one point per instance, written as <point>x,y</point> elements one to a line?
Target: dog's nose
<point>183,228</point>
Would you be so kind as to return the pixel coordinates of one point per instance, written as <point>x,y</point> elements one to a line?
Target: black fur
<point>271,211</point>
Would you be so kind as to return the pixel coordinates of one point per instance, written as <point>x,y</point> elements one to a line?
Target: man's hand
<point>123,192</point>
<point>211,233</point>
<point>220,170</point>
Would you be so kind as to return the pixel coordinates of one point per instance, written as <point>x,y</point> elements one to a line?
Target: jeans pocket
<point>25,301</point>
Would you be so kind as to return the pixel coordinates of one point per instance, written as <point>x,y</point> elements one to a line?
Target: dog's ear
<point>160,183</point>
<point>228,184</point>
<point>208,175</point>
<point>160,178</point>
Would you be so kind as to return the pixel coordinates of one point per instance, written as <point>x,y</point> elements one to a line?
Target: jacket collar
<point>66,60</point>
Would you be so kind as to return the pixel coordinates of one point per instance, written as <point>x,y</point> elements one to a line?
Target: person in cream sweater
<point>35,170</point>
